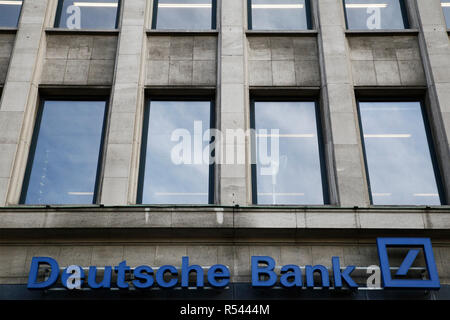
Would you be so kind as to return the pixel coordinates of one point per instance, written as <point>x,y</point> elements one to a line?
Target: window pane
<point>66,153</point>
<point>294,175</point>
<point>446,8</point>
<point>10,12</point>
<point>184,14</point>
<point>375,14</point>
<point>175,172</point>
<point>87,14</point>
<point>397,153</point>
<point>279,15</point>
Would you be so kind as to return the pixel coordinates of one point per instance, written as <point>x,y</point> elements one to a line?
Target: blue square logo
<point>415,245</point>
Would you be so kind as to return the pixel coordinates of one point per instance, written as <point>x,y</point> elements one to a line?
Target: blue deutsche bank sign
<point>415,245</point>
<point>263,272</point>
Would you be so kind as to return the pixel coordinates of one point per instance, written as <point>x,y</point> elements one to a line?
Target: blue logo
<point>415,245</point>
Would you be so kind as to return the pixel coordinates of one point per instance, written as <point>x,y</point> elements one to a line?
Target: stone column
<point>339,101</point>
<point>126,108</point>
<point>233,99</point>
<point>19,101</point>
<point>435,46</point>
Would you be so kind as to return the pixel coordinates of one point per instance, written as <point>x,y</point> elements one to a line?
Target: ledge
<point>6,30</point>
<point>155,32</point>
<point>286,33</point>
<point>82,31</point>
<point>385,32</point>
<point>218,217</point>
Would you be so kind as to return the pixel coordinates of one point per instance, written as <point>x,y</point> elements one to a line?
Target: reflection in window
<point>446,8</point>
<point>279,15</point>
<point>398,156</point>
<point>87,14</point>
<point>375,14</point>
<point>173,170</point>
<point>289,167</point>
<point>9,13</point>
<point>63,161</point>
<point>184,14</point>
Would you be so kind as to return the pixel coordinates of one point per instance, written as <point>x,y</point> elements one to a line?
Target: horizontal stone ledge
<point>104,32</point>
<point>383,32</point>
<point>285,33</point>
<point>174,32</point>
<point>215,217</point>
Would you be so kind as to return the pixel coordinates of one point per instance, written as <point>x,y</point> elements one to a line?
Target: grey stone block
<point>180,72</point>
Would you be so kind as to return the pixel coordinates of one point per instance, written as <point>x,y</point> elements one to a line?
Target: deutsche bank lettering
<point>218,276</point>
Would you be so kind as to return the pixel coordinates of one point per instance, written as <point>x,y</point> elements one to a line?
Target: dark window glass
<point>279,15</point>
<point>9,13</point>
<point>87,14</point>
<point>184,14</point>
<point>173,170</point>
<point>65,154</point>
<point>398,155</point>
<point>294,174</point>
<point>375,14</point>
<point>446,8</point>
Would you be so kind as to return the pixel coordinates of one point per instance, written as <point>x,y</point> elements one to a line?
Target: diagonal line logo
<point>416,245</point>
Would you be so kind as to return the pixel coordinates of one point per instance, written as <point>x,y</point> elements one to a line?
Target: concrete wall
<point>283,61</point>
<point>386,61</point>
<point>15,260</point>
<point>181,60</point>
<point>6,46</point>
<point>234,61</point>
<point>79,59</point>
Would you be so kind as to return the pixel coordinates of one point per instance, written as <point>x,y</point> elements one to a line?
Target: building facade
<point>352,96</point>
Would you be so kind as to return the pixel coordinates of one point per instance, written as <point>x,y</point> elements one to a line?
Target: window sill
<point>8,30</point>
<point>386,32</point>
<point>170,32</point>
<point>82,31</point>
<point>286,33</point>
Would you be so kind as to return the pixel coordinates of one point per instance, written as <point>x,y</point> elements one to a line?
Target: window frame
<point>320,139</point>
<point>144,144</point>
<point>403,10</point>
<point>430,139</point>
<point>213,17</point>
<point>308,9</point>
<point>59,13</point>
<point>34,139</point>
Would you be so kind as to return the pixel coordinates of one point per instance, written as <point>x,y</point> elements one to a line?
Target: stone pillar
<point>126,108</point>
<point>339,101</point>
<point>435,46</point>
<point>19,101</point>
<point>233,99</point>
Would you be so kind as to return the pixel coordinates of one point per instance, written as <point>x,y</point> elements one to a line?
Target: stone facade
<point>330,61</point>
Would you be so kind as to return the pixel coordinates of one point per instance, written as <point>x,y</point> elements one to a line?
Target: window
<point>446,8</point>
<point>175,139</point>
<point>376,14</point>
<point>184,14</point>
<point>398,153</point>
<point>65,153</point>
<point>87,14</point>
<point>289,166</point>
<point>9,13</point>
<point>279,15</point>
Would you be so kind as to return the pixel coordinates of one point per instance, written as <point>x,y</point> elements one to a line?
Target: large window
<point>9,13</point>
<point>279,15</point>
<point>184,14</point>
<point>174,168</point>
<point>289,166</point>
<point>87,14</point>
<point>446,8</point>
<point>65,153</point>
<point>398,153</point>
<point>375,14</point>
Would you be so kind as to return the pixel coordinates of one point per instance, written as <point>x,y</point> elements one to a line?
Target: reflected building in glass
<point>147,131</point>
